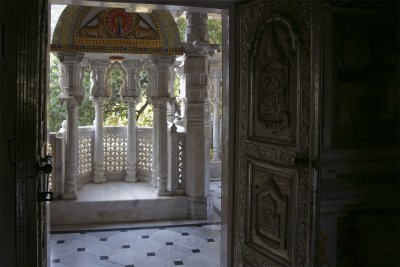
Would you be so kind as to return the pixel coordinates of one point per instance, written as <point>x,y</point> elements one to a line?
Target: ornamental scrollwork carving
<point>252,17</point>
<point>269,153</point>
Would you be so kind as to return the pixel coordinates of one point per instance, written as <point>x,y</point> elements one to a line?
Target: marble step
<point>116,202</point>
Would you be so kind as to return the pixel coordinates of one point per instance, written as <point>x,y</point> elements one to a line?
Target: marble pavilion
<point>171,158</point>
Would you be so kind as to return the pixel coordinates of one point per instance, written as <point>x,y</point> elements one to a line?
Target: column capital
<point>101,64</point>
<point>161,101</point>
<point>163,60</point>
<point>132,77</point>
<point>131,101</point>
<point>196,49</point>
<point>99,100</point>
<point>70,101</point>
<point>70,58</point>
<point>131,64</point>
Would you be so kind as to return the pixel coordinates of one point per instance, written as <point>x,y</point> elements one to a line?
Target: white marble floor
<point>195,245</point>
<point>146,244</point>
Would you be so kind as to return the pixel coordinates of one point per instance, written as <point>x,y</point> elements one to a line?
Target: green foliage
<point>177,94</point>
<point>86,109</point>
<point>177,85</point>
<point>181,23</point>
<point>144,113</point>
<point>115,111</point>
<point>56,111</point>
<point>215,30</point>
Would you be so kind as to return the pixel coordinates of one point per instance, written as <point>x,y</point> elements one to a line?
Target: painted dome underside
<point>113,30</point>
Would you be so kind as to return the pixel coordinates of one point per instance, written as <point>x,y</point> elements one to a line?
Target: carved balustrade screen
<point>85,140</point>
<point>115,144</point>
<point>144,148</point>
<point>181,160</point>
<point>115,141</point>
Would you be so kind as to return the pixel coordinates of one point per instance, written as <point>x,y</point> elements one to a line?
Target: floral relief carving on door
<point>273,203</point>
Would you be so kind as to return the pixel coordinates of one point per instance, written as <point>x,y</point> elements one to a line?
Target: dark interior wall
<point>360,151</point>
<point>8,21</point>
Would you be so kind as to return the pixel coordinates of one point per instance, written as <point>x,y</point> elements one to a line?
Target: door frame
<point>227,9</point>
<point>229,124</point>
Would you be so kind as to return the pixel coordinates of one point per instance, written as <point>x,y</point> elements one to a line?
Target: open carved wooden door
<point>31,129</point>
<point>274,175</point>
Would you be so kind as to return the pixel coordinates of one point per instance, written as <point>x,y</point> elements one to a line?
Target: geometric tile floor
<point>195,245</point>
<point>181,244</point>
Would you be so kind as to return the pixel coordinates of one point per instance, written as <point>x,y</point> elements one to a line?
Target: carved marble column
<point>160,100</point>
<point>131,146</point>
<point>151,93</point>
<point>98,151</point>
<point>71,66</point>
<point>216,83</point>
<point>162,141</point>
<point>182,93</point>
<point>99,95</point>
<point>154,154</point>
<point>132,87</point>
<point>72,94</point>
<point>215,70</point>
<point>171,104</point>
<point>71,149</point>
<point>131,98</point>
<point>197,151</point>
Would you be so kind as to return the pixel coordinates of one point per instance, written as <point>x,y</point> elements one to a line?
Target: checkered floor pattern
<point>192,245</point>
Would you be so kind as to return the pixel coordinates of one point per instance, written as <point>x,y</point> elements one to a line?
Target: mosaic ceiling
<point>113,30</point>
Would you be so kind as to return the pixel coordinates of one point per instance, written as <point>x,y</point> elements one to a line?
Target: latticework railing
<point>144,149</point>
<point>180,161</point>
<point>115,141</point>
<point>115,158</point>
<point>85,140</point>
<point>115,147</point>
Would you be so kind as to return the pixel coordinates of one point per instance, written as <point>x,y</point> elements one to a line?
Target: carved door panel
<point>273,181</point>
<point>31,130</point>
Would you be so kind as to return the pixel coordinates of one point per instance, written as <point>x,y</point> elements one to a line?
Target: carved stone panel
<point>271,201</point>
<point>274,83</point>
<point>272,221</point>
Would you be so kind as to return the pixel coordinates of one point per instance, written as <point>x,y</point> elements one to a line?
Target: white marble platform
<point>115,202</point>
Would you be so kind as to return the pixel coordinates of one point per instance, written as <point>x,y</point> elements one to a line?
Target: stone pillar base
<point>70,195</point>
<point>215,170</point>
<point>99,180</point>
<point>129,179</point>
<point>99,177</point>
<point>153,180</point>
<point>130,176</point>
<point>199,207</point>
<point>162,187</point>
